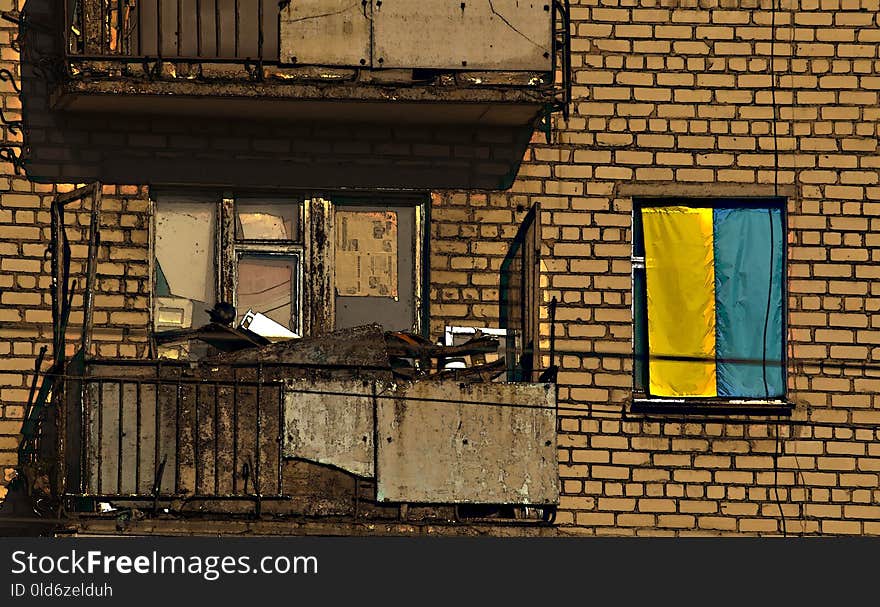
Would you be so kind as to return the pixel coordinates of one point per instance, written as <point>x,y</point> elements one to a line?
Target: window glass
<point>267,220</point>
<point>268,284</point>
<point>184,264</point>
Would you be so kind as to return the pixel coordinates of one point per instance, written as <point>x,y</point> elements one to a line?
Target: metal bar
<point>91,270</point>
<point>37,364</point>
<point>100,435</point>
<point>157,444</point>
<point>142,58</point>
<point>102,44</point>
<point>216,438</point>
<point>196,434</point>
<point>237,23</point>
<point>57,299</point>
<point>199,28</point>
<point>179,23</point>
<point>260,35</point>
<point>140,36</point>
<point>234,436</point>
<point>119,433</point>
<point>177,437</point>
<point>279,489</point>
<point>159,37</point>
<point>375,435</point>
<point>217,25</point>
<point>68,25</point>
<point>137,442</point>
<point>120,26</point>
<point>258,486</point>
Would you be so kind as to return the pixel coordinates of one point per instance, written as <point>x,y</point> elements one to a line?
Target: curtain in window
<point>748,353</point>
<point>714,307</point>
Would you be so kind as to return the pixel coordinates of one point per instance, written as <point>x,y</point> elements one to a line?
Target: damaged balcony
<point>481,76</point>
<point>353,427</point>
<point>362,435</point>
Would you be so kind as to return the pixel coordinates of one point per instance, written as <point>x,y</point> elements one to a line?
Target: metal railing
<point>178,30</point>
<point>157,434</point>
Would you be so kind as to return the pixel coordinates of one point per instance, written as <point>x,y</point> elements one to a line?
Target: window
<point>268,256</point>
<point>708,293</point>
<point>291,266</point>
<point>245,250</point>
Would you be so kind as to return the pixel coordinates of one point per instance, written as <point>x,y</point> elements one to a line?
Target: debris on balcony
<point>265,326</point>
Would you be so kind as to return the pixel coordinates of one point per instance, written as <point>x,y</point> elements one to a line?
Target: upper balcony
<point>482,75</point>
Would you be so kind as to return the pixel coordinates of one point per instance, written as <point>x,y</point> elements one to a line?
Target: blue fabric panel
<point>749,365</point>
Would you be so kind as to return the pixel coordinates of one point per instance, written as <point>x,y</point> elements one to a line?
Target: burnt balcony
<point>476,75</point>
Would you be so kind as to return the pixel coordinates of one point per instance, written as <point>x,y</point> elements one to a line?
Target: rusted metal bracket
<point>562,47</point>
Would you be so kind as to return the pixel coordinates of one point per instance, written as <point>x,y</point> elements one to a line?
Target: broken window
<point>262,271</point>
<point>258,254</point>
<point>185,262</point>
<point>256,220</point>
<point>708,293</point>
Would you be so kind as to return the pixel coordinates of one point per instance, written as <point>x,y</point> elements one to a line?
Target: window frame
<point>642,400</point>
<point>228,248</point>
<point>229,239</point>
<point>316,313</point>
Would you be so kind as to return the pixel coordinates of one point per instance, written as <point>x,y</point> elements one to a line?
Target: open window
<point>708,303</point>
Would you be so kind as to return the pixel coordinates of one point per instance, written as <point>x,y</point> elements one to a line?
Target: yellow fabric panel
<point>680,275</point>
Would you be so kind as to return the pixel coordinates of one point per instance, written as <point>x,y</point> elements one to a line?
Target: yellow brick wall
<point>121,315</point>
<point>675,98</point>
<point>671,97</point>
<point>122,287</point>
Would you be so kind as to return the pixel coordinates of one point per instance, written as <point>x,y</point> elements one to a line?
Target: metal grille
<point>156,433</point>
<point>182,30</point>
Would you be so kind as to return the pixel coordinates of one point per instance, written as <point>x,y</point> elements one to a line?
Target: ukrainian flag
<point>710,293</point>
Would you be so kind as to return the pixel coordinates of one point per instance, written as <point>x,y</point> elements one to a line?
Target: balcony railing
<point>157,432</point>
<point>179,30</point>
<point>219,434</point>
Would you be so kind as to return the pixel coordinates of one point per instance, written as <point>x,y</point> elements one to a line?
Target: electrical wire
<point>775,107</point>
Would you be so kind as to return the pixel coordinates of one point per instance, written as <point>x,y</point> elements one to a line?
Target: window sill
<point>668,406</point>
